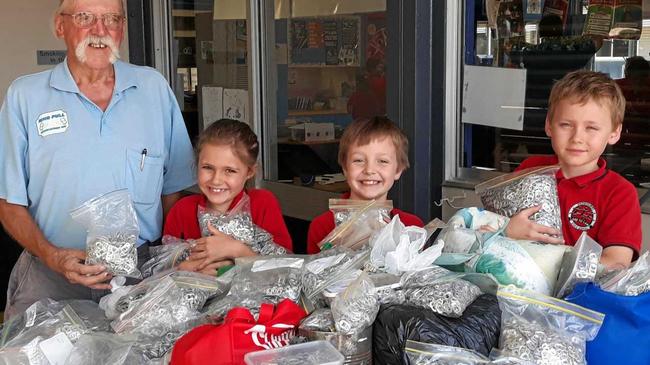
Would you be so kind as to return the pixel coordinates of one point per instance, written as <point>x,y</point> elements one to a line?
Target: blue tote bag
<point>624,337</point>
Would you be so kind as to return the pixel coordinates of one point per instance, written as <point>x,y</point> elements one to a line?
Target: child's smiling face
<point>372,169</point>
<point>222,175</point>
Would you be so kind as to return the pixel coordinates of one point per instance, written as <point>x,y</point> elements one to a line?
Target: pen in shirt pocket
<point>144,154</point>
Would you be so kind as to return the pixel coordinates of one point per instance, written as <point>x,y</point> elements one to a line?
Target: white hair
<point>65,5</point>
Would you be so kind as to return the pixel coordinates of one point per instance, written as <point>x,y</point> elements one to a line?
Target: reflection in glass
<point>330,62</point>
<point>549,41</point>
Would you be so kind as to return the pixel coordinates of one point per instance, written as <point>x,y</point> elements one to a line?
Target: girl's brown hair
<point>232,133</point>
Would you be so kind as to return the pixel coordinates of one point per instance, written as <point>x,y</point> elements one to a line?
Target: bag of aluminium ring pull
<point>431,353</point>
<point>355,232</point>
<point>543,329</point>
<point>238,224</point>
<point>509,194</point>
<point>343,209</point>
<point>112,227</point>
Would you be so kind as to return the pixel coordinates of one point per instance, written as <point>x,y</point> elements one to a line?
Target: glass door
<point>324,67</point>
<point>209,61</point>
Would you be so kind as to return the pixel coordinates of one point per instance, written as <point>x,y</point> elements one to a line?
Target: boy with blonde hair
<point>373,153</point>
<point>585,115</point>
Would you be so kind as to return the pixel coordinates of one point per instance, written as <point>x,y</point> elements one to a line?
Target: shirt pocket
<point>144,174</point>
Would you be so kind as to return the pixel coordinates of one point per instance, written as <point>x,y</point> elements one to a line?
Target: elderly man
<point>91,125</point>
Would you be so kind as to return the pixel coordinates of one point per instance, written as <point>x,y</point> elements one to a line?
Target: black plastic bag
<point>478,329</point>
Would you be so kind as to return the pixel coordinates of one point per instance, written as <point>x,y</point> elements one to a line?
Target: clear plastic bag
<point>167,310</point>
<point>509,194</point>
<point>47,333</point>
<point>344,209</point>
<point>439,290</point>
<point>388,288</point>
<point>260,280</point>
<point>635,280</point>
<point>328,267</point>
<point>238,224</point>
<point>319,320</point>
<point>355,308</point>
<point>175,299</point>
<point>420,353</point>
<point>357,230</point>
<point>543,329</point>
<point>274,279</point>
<point>107,348</point>
<point>167,256</point>
<point>579,265</point>
<point>112,227</point>
<point>91,315</point>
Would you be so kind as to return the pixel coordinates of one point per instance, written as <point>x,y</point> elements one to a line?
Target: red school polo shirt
<point>182,221</point>
<point>322,225</point>
<point>602,203</point>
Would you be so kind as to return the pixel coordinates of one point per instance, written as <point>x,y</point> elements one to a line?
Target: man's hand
<point>521,227</point>
<point>70,263</point>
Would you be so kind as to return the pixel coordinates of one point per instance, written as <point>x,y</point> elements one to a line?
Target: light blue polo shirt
<point>58,149</point>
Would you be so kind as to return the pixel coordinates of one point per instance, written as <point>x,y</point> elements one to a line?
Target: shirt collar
<point>62,77</point>
<point>584,180</point>
<point>203,201</point>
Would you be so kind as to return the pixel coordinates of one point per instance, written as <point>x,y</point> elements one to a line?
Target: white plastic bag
<point>510,263</point>
<point>396,248</point>
<point>112,227</point>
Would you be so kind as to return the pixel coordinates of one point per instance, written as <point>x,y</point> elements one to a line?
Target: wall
<point>26,26</point>
<point>472,200</point>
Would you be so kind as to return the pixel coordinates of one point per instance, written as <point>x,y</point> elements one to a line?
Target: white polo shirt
<point>58,149</point>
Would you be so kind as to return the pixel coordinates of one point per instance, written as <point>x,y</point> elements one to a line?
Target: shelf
<point>187,13</point>
<point>293,65</point>
<point>294,113</point>
<point>184,34</point>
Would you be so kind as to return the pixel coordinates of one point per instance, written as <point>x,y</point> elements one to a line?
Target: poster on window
<point>331,41</point>
<point>510,19</point>
<point>599,18</point>
<point>376,36</point>
<point>532,10</point>
<point>556,7</point>
<point>628,18</point>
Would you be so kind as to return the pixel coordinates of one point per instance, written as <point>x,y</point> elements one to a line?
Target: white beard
<point>80,51</point>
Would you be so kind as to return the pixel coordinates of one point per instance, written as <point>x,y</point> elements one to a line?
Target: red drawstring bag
<point>227,343</point>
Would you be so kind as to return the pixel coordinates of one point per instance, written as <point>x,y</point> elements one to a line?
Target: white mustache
<point>80,51</point>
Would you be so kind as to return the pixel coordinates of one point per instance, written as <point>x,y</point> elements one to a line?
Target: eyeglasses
<point>83,19</point>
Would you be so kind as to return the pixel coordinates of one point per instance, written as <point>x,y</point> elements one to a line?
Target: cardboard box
<point>312,132</point>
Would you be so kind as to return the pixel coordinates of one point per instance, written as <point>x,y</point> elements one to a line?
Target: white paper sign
<point>235,104</point>
<point>494,96</point>
<point>56,348</point>
<point>212,104</point>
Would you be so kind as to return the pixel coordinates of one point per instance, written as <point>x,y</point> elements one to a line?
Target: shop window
<point>526,45</point>
<point>329,67</point>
